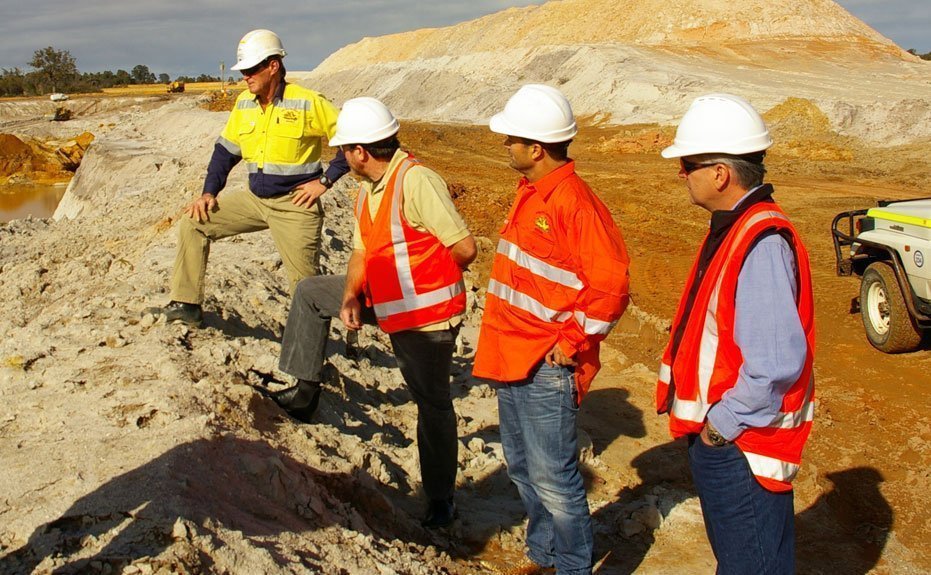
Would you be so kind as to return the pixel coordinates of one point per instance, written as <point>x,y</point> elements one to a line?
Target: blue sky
<point>191,36</point>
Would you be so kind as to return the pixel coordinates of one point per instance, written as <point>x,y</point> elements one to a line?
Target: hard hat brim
<point>247,63</point>
<point>674,151</point>
<point>244,65</point>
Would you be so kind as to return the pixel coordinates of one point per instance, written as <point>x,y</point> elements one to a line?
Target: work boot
<point>299,401</point>
<point>189,313</point>
<point>441,513</point>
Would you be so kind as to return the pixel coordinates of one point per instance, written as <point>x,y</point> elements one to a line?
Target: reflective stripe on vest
<point>771,468</point>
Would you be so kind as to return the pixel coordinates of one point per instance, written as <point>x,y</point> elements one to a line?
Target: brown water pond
<point>37,200</point>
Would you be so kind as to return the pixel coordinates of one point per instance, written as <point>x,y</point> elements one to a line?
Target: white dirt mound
<point>641,62</point>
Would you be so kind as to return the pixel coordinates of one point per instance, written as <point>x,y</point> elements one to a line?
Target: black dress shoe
<point>300,401</point>
<point>441,513</point>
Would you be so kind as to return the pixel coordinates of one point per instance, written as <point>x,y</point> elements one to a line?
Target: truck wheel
<point>888,324</point>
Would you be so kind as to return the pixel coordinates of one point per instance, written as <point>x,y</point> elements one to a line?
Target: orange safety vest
<point>708,359</point>
<point>411,279</point>
<point>551,280</point>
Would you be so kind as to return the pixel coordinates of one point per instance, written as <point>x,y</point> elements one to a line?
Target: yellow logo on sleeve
<point>542,224</point>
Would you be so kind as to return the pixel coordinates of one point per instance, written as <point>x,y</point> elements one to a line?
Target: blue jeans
<point>751,530</point>
<point>538,434</point>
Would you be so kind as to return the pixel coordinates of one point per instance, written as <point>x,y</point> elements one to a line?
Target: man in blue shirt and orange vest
<point>736,376</point>
<point>405,273</point>
<point>558,285</point>
<point>277,128</point>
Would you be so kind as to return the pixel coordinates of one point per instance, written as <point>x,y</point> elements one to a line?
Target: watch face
<point>715,437</point>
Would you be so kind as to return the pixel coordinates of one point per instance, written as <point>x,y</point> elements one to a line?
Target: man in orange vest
<point>405,272</point>
<point>736,377</point>
<point>558,285</point>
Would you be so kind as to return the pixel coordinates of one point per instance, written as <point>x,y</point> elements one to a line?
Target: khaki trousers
<point>295,230</point>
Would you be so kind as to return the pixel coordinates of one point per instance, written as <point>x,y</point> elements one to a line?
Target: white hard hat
<point>364,121</point>
<point>255,47</point>
<point>719,124</point>
<point>536,112</point>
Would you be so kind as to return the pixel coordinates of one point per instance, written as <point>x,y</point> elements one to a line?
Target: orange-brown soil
<point>862,493</point>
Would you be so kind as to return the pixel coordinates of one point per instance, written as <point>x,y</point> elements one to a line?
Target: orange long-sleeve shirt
<point>560,276</point>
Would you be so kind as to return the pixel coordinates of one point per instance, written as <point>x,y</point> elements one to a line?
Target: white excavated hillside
<point>642,61</point>
<point>689,23</point>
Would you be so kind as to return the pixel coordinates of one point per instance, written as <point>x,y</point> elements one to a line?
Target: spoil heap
<point>642,61</point>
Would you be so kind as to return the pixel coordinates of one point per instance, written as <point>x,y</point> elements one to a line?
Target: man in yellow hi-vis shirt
<point>276,127</point>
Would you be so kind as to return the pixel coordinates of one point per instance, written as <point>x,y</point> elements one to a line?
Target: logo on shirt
<point>289,116</point>
<point>542,224</point>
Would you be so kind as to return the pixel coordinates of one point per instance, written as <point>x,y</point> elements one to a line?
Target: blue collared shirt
<point>769,332</point>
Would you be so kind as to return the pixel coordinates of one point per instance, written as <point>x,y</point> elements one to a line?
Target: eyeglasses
<point>255,69</point>
<point>689,167</point>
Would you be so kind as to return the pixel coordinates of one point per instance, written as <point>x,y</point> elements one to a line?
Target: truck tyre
<point>888,324</point>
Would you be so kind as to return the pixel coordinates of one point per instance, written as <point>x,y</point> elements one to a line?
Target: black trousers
<point>425,359</point>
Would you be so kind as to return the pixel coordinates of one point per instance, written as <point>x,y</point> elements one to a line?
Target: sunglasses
<point>255,69</point>
<point>689,167</point>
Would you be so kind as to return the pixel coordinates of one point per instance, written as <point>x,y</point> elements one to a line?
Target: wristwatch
<point>714,437</point>
<point>325,182</point>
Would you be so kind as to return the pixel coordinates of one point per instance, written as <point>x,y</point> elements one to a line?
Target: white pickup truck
<point>889,247</point>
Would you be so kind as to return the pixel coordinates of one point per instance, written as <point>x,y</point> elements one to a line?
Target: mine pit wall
<point>885,102</point>
<point>146,157</point>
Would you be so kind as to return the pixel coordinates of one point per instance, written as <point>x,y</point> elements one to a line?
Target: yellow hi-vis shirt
<point>285,138</point>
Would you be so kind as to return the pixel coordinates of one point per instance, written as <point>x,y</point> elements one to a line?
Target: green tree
<point>164,78</point>
<point>122,78</point>
<point>55,69</point>
<point>142,75</point>
<point>12,82</point>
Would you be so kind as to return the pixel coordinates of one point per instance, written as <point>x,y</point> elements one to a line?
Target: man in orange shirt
<point>558,285</point>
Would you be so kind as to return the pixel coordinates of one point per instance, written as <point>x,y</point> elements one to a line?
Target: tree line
<point>57,71</point>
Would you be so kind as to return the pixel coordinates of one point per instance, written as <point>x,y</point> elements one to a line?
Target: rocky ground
<point>131,446</point>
